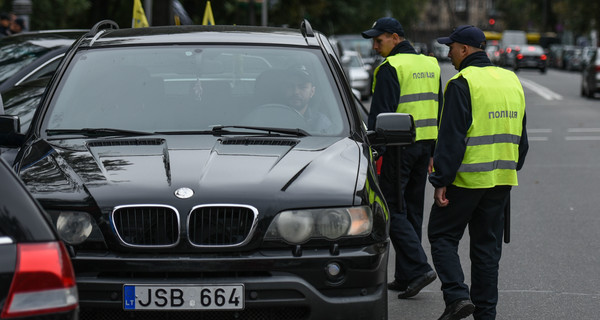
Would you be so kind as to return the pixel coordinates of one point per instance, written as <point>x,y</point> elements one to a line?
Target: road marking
<point>583,138</point>
<point>584,130</point>
<point>537,138</point>
<point>539,130</point>
<point>541,90</point>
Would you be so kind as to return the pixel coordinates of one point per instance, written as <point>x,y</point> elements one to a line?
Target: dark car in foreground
<point>31,55</point>
<point>191,181</point>
<point>531,57</point>
<point>590,75</point>
<point>36,276</point>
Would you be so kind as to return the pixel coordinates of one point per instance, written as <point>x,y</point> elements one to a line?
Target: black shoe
<point>396,286</point>
<point>415,286</point>
<point>458,310</point>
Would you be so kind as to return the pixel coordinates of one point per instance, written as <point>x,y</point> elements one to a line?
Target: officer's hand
<point>439,195</point>
<point>430,166</point>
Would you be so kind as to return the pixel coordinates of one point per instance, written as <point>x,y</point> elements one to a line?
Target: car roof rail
<point>306,29</point>
<point>97,27</point>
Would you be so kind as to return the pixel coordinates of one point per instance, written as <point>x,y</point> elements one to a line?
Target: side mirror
<point>10,128</point>
<point>393,129</point>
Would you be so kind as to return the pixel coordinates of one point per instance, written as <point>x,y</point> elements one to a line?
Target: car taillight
<point>44,281</point>
<point>543,57</point>
<point>519,56</point>
<point>597,68</point>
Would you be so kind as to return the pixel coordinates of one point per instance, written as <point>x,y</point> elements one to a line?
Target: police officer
<point>482,142</point>
<point>406,82</point>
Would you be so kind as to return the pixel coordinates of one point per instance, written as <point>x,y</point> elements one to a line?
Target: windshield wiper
<point>270,130</point>
<point>98,132</point>
<point>218,130</point>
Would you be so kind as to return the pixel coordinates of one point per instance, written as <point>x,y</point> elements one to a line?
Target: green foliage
<point>59,14</point>
<point>328,16</point>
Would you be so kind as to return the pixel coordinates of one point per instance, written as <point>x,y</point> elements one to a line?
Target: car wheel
<point>543,70</point>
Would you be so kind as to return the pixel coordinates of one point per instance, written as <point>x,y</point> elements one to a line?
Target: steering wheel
<point>276,115</point>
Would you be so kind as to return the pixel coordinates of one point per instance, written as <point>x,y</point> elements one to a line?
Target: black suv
<point>211,172</point>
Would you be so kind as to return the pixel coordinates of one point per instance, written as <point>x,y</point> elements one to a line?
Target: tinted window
<point>15,56</point>
<point>194,88</point>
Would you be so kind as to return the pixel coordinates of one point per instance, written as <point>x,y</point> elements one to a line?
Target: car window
<point>195,88</point>
<point>533,49</point>
<point>22,101</point>
<point>15,56</point>
<point>45,70</point>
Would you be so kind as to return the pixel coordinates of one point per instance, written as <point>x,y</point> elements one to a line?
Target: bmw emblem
<point>184,193</point>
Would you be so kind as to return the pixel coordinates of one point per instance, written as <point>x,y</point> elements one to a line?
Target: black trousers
<point>482,210</point>
<point>403,179</point>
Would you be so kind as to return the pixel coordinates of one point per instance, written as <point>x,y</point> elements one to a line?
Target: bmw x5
<point>184,173</point>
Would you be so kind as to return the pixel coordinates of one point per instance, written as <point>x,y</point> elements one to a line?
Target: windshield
<point>178,89</point>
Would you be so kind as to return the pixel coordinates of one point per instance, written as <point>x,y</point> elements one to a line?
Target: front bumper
<point>275,281</point>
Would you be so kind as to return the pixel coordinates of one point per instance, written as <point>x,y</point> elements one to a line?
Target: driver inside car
<point>299,92</point>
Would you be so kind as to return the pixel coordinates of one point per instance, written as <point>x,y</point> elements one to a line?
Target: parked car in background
<point>36,275</point>
<point>573,58</point>
<point>361,45</point>
<point>357,72</point>
<point>493,53</point>
<point>590,76</point>
<point>182,169</point>
<point>587,53</point>
<point>31,55</point>
<point>440,51</point>
<point>22,101</point>
<point>508,55</point>
<point>531,56</point>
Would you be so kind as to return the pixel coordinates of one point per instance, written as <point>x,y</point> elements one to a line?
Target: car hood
<point>262,172</point>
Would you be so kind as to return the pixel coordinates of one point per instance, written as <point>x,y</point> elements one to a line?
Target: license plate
<point>184,297</point>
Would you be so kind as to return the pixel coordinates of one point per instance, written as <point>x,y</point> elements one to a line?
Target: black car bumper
<point>277,285</point>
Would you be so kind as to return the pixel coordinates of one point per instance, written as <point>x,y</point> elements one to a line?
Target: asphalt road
<point>551,268</point>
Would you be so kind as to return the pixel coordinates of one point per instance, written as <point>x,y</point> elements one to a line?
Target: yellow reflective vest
<point>498,108</point>
<point>419,79</point>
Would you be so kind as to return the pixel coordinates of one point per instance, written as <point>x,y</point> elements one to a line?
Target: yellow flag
<point>208,16</point>
<point>139,17</point>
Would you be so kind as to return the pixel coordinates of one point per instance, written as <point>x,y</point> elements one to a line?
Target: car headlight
<point>74,227</point>
<point>298,226</point>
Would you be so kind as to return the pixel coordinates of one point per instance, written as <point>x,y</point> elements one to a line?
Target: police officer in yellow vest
<point>482,142</point>
<point>406,82</point>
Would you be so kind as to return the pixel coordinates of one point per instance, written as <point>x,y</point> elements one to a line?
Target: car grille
<point>147,226</point>
<point>210,226</point>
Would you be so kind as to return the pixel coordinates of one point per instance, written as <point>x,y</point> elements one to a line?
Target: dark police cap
<point>466,34</point>
<point>383,25</point>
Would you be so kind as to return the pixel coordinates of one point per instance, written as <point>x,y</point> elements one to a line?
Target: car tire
<point>543,70</point>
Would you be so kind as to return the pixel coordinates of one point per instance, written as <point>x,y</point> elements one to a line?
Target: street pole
<point>265,12</point>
